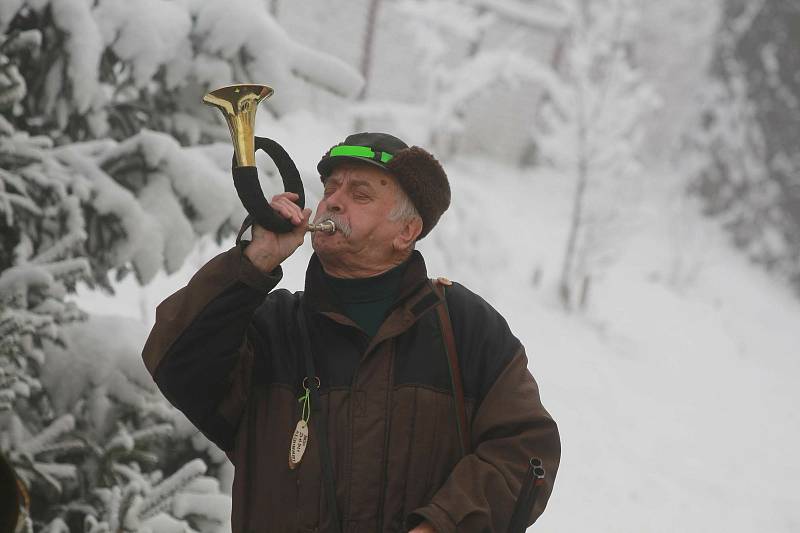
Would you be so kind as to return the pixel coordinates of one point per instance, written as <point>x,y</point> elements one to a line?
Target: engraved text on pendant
<point>299,443</point>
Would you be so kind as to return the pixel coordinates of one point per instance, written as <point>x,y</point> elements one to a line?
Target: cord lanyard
<point>320,423</point>
<point>300,437</point>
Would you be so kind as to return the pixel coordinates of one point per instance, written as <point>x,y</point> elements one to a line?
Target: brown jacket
<point>226,351</point>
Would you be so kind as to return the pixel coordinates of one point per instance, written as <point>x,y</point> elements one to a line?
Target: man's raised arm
<point>201,350</point>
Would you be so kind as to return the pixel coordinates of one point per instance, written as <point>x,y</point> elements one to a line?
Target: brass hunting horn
<point>238,104</point>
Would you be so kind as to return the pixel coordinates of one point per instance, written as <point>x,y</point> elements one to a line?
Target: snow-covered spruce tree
<point>746,137</point>
<point>74,419</point>
<point>590,129</point>
<point>118,67</point>
<point>98,102</point>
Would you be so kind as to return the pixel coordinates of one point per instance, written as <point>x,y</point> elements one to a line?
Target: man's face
<point>359,199</point>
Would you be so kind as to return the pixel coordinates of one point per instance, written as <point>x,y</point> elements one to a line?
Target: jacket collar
<point>319,297</point>
<point>415,297</point>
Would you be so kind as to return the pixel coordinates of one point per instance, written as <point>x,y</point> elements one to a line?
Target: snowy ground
<point>675,391</point>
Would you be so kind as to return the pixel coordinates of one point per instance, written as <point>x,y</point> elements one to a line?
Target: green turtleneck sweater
<point>366,301</point>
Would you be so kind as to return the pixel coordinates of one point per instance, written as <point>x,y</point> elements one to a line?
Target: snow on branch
<point>146,502</point>
<point>191,176</point>
<point>486,69</point>
<point>23,277</point>
<point>113,67</point>
<point>452,17</point>
<point>180,193</point>
<point>145,34</point>
<point>59,427</point>
<point>136,230</point>
<point>527,13</point>
<point>160,498</point>
<point>242,31</point>
<point>83,47</point>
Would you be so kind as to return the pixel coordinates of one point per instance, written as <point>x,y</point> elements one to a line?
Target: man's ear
<point>404,240</point>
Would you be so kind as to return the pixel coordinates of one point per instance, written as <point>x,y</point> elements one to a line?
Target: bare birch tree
<point>591,131</point>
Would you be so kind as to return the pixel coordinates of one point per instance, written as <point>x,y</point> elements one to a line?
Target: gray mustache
<point>341,225</point>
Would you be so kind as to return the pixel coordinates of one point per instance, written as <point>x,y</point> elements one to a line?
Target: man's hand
<point>268,249</point>
<point>424,527</point>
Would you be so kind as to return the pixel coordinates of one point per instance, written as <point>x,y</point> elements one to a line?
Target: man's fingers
<point>293,207</point>
<point>288,195</point>
<point>287,209</point>
<point>283,211</point>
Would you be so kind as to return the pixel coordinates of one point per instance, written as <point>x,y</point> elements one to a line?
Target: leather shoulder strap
<point>457,385</point>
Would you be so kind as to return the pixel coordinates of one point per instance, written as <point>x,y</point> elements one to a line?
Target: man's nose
<point>334,201</point>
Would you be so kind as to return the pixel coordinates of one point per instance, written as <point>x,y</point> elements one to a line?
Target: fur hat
<point>419,174</point>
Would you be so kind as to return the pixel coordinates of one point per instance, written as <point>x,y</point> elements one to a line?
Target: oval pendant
<point>299,443</point>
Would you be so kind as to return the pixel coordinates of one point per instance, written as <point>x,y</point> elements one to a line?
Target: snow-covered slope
<point>674,390</point>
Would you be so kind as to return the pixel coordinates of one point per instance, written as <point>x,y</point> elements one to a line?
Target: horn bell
<point>238,104</point>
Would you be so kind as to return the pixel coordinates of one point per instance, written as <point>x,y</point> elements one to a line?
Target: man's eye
<point>360,196</point>
<point>328,191</point>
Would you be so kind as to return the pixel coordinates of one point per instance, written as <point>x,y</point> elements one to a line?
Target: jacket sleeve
<point>509,427</point>
<point>201,349</point>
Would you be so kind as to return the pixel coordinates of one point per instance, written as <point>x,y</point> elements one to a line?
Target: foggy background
<point>625,192</point>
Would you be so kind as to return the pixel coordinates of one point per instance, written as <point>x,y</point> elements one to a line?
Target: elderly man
<point>426,414</point>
